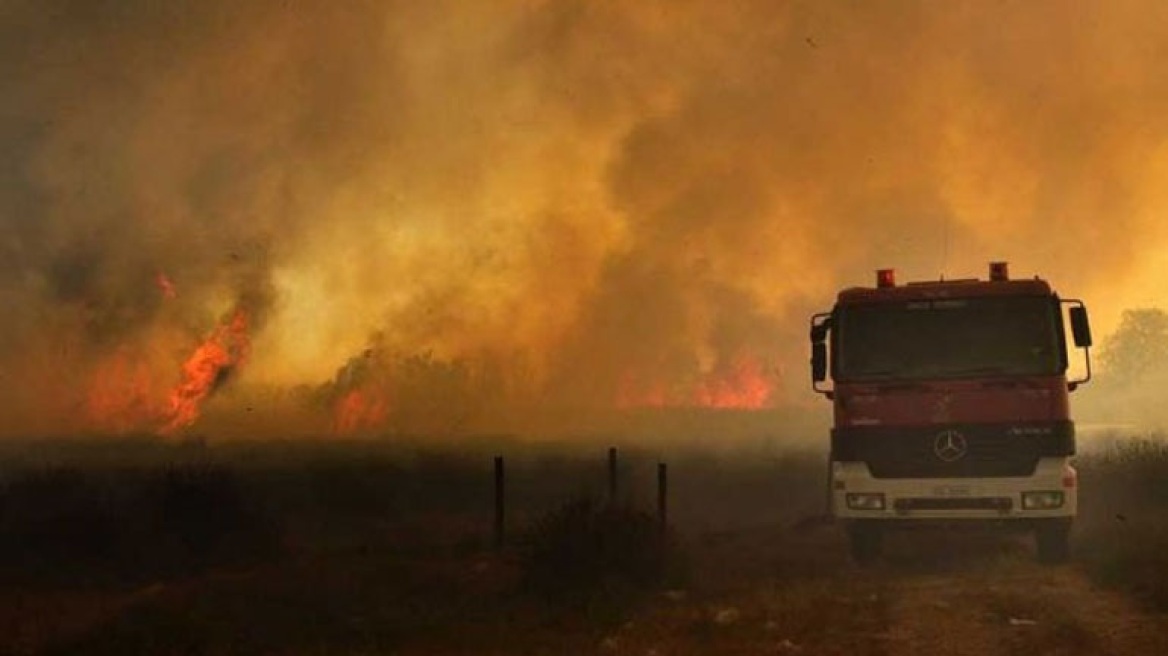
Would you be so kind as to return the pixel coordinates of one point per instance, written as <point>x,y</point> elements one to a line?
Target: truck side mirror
<point>819,332</point>
<point>818,362</point>
<point>1080,326</point>
<point>820,325</point>
<point>1081,331</point>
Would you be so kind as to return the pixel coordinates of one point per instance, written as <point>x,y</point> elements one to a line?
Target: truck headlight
<point>865,500</point>
<point>1042,500</point>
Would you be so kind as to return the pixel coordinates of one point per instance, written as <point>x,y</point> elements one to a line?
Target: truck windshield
<point>949,338</point>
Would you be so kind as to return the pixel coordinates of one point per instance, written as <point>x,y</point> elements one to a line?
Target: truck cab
<point>950,404</point>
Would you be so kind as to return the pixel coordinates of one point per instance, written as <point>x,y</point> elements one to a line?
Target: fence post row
<point>501,504</point>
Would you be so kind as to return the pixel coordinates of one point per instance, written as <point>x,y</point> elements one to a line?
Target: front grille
<point>1001,504</point>
<point>992,450</point>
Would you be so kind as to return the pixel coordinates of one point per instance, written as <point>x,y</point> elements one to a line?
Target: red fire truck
<point>950,404</point>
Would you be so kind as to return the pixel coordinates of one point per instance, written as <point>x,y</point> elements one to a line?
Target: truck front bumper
<point>1050,493</point>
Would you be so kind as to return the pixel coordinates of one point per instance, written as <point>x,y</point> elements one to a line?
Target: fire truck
<point>950,402</point>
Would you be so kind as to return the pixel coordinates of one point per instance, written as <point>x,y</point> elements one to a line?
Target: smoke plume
<point>545,204</point>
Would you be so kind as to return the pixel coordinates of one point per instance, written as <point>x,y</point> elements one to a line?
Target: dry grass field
<point>368,548</point>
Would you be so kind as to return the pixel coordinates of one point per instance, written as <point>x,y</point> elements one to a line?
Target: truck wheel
<point>1053,539</point>
<point>865,540</point>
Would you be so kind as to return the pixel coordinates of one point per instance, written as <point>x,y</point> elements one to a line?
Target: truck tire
<point>1053,541</point>
<point>865,540</point>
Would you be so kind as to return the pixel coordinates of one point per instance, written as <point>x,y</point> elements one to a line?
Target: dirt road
<point>1015,608</point>
<point>940,597</point>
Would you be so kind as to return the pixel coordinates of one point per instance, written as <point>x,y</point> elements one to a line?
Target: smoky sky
<point>588,190</point>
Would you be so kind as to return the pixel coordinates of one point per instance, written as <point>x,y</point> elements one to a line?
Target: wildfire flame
<point>359,410</point>
<point>206,369</point>
<point>743,385</point>
<point>122,396</point>
<point>362,403</point>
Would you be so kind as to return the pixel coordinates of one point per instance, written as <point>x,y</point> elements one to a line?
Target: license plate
<point>951,491</point>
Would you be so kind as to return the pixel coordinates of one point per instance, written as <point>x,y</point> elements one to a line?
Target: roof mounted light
<point>885,278</point>
<point>999,271</point>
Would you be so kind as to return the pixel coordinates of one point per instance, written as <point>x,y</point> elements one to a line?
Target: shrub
<point>585,552</point>
<point>1123,539</point>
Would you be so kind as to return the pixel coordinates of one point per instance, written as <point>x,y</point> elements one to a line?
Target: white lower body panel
<point>954,498</point>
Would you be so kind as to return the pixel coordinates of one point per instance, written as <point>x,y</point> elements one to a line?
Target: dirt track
<point>937,597</point>
<point>1016,608</point>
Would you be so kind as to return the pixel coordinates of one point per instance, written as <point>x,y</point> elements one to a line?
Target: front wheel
<point>1053,540</point>
<point>865,540</point>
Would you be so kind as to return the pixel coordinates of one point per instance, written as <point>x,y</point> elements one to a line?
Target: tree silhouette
<point>1137,348</point>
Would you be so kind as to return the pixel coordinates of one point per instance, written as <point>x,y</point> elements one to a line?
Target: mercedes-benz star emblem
<point>950,446</point>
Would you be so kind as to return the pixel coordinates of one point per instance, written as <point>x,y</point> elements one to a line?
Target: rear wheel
<point>865,540</point>
<point>1053,541</point>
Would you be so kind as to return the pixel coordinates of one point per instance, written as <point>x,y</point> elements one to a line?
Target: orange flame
<point>122,395</point>
<point>206,369</point>
<point>358,411</point>
<point>743,385</point>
